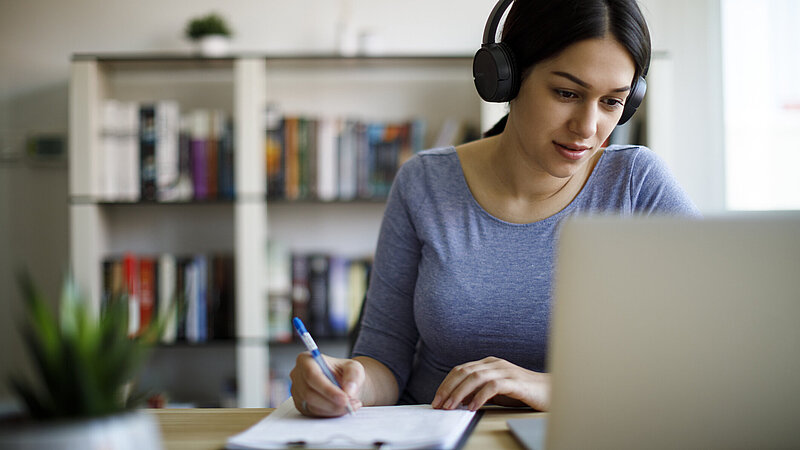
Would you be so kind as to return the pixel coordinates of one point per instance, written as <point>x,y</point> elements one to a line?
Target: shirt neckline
<point>572,204</point>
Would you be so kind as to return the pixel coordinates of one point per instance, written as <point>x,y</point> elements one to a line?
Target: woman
<point>459,301</point>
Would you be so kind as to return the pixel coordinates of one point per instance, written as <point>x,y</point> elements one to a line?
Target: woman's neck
<point>519,178</point>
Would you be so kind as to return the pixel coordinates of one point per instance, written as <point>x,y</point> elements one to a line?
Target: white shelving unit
<point>387,88</point>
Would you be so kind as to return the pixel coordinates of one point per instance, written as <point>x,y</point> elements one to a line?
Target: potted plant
<point>211,33</point>
<point>84,364</point>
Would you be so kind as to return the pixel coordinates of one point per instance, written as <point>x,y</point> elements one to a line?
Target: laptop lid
<point>676,333</point>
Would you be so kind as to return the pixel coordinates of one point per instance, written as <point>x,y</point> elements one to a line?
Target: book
<point>167,295</point>
<point>147,292</point>
<point>292,177</point>
<point>147,152</point>
<point>275,155</point>
<point>130,269</point>
<point>338,304</point>
<point>167,124</point>
<point>318,295</point>
<point>110,147</point>
<point>405,426</point>
<point>192,283</point>
<point>227,186</point>
<point>184,290</point>
<point>327,159</point>
<point>356,291</point>
<point>303,159</point>
<point>185,188</point>
<point>300,293</point>
<point>128,163</point>
<point>197,299</point>
<point>198,143</point>
<point>216,128</point>
<point>279,275</point>
<point>221,295</point>
<point>348,161</point>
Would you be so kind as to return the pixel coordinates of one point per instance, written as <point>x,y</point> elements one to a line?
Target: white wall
<point>37,38</point>
<point>689,32</point>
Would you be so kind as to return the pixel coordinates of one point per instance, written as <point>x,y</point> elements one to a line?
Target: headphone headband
<point>490,30</point>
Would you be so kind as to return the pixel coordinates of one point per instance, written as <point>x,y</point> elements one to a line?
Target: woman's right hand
<point>315,395</point>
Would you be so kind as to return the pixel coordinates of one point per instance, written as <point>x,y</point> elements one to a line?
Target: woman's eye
<point>565,94</point>
<point>613,102</point>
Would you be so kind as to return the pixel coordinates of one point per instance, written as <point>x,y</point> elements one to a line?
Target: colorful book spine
<point>198,142</point>
<point>131,274</point>
<point>147,292</point>
<point>275,155</point>
<point>338,269</point>
<point>167,296</point>
<point>300,292</point>
<point>227,188</point>
<point>147,152</point>
<point>215,127</point>
<point>167,116</point>
<point>292,180</point>
<point>318,288</point>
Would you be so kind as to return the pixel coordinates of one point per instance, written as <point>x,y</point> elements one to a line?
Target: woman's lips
<point>571,152</point>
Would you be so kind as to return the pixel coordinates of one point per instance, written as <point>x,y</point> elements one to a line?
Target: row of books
<point>336,158</point>
<point>201,288</point>
<point>154,152</point>
<point>325,291</point>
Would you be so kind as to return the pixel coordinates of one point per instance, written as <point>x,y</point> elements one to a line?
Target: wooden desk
<point>209,428</point>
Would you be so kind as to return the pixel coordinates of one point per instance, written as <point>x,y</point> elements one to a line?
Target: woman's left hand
<point>496,380</point>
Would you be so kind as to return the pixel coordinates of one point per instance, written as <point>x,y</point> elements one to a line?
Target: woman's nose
<point>584,121</point>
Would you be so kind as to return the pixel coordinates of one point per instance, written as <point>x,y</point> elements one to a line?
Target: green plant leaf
<point>82,361</point>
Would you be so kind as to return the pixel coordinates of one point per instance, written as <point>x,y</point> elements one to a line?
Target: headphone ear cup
<point>495,73</point>
<point>634,100</point>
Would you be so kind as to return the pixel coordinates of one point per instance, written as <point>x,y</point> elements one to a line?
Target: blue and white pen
<point>305,336</point>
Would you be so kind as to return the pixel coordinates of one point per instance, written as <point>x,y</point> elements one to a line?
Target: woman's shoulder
<point>431,162</point>
<point>631,153</point>
<point>633,158</point>
<point>425,169</point>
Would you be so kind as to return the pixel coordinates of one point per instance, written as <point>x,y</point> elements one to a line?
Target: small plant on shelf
<point>211,33</point>
<point>209,25</point>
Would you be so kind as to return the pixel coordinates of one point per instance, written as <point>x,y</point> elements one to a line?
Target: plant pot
<point>125,431</point>
<point>213,45</point>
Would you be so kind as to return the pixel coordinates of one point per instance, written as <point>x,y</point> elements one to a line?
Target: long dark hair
<point>536,30</point>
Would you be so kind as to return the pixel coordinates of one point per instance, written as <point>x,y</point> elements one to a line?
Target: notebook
<point>407,426</point>
<point>670,333</point>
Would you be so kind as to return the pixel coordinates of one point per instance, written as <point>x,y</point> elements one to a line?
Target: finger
<point>450,382</point>
<point>456,378</point>
<point>479,376</point>
<point>468,386</point>
<point>351,377</point>
<point>321,406</point>
<point>488,391</point>
<point>459,373</point>
<point>307,377</point>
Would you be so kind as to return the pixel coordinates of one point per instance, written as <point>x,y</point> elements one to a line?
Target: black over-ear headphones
<point>497,77</point>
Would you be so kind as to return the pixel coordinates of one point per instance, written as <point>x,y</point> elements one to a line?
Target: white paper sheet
<point>412,426</point>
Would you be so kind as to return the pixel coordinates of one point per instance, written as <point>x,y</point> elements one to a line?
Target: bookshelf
<point>437,88</point>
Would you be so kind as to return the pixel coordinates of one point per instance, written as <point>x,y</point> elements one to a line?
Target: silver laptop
<point>675,334</point>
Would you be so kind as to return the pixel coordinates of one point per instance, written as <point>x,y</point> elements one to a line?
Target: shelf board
<point>162,61</point>
<point>315,201</point>
<point>247,341</point>
<point>275,201</point>
<point>194,57</point>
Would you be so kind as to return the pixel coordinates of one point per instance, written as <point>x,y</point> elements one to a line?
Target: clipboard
<point>406,427</point>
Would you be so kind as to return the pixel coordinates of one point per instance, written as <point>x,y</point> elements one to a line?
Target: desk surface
<point>209,428</point>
